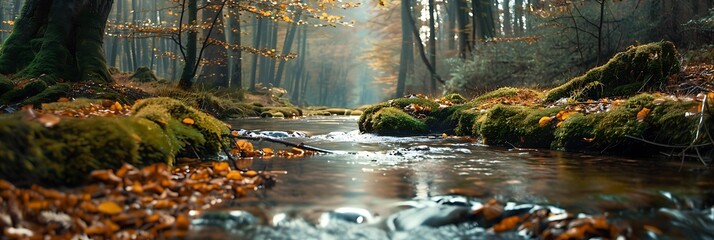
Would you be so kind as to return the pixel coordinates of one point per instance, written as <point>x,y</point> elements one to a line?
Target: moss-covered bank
<point>641,68</point>
<point>528,118</point>
<point>65,152</point>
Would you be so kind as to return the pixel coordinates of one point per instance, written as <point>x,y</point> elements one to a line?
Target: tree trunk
<point>55,40</point>
<point>236,75</point>
<point>215,72</point>
<point>432,43</point>
<point>406,48</point>
<point>462,20</point>
<point>287,45</point>
<point>257,30</point>
<point>189,68</point>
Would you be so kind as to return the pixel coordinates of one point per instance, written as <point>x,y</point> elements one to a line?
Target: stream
<point>377,187</point>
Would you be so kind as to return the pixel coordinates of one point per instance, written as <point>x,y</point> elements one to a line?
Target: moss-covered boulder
<point>280,112</point>
<point>66,151</point>
<point>425,106</point>
<point>144,74</point>
<point>395,122</point>
<point>642,68</point>
<point>454,98</point>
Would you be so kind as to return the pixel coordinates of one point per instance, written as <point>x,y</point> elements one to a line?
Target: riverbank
<point>633,105</point>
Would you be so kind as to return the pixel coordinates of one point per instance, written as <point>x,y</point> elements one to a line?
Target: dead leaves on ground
<point>544,224</point>
<point>142,203</point>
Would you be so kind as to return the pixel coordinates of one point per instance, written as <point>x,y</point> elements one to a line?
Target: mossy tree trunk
<point>54,41</point>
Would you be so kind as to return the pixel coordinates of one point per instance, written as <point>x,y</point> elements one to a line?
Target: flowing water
<point>377,187</point>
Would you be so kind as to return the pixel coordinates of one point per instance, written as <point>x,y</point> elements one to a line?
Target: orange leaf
<point>244,146</point>
<point>250,173</point>
<point>642,114</point>
<point>268,151</point>
<point>544,121</point>
<point>188,121</point>
<point>109,208</point>
<point>63,99</point>
<point>234,175</point>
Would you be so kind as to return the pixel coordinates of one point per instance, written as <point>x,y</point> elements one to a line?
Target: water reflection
<point>375,173</point>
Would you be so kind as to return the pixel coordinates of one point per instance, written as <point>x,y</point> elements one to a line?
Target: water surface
<point>376,177</point>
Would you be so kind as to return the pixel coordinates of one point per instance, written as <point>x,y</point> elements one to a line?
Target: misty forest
<point>364,119</point>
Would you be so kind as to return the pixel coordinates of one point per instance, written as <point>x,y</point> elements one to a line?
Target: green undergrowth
<point>66,152</point>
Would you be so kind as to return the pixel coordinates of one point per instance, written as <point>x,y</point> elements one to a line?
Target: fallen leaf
<point>544,121</point>
<point>234,175</point>
<point>188,121</point>
<point>182,222</point>
<point>250,173</point>
<point>642,114</point>
<point>63,99</point>
<point>109,208</point>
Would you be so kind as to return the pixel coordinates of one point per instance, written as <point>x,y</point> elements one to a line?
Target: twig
<point>286,143</point>
<point>667,145</point>
<point>231,160</point>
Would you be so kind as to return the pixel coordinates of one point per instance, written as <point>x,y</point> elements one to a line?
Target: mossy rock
<point>645,67</point>
<point>170,112</point>
<point>284,111</point>
<point>508,92</point>
<point>455,98</point>
<point>272,115</point>
<point>364,122</point>
<point>144,74</point>
<point>66,153</point>
<point>77,104</point>
<point>501,125</point>
<point>394,122</point>
<point>446,119</point>
<point>577,133</point>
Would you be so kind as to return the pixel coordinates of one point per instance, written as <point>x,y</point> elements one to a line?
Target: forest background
<point>365,52</point>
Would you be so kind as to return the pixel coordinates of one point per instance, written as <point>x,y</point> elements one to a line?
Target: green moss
<point>533,135</point>
<point>671,124</point>
<point>169,110</point>
<point>144,74</point>
<point>501,92</point>
<point>622,121</point>
<point>365,120</point>
<point>500,125</point>
<point>455,98</point>
<point>467,119</point>
<point>30,88</point>
<point>507,92</point>
<point>577,133</point>
<point>5,84</point>
<point>51,94</point>
<point>394,122</point>
<point>644,67</point>
<point>65,153</point>
<point>446,119</point>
